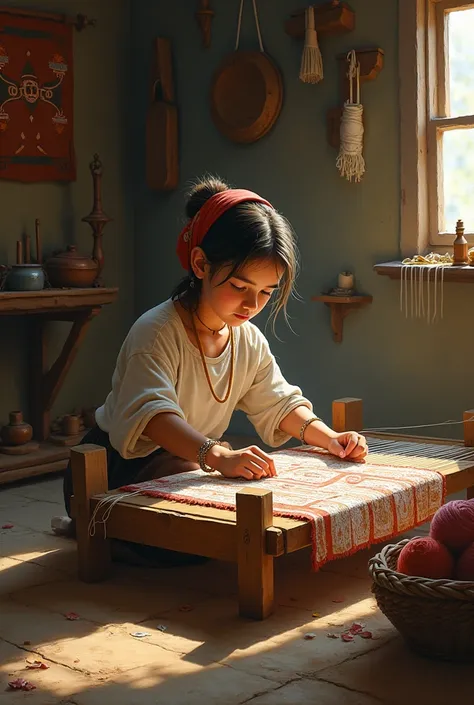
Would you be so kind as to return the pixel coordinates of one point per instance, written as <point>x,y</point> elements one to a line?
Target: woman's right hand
<point>251,463</point>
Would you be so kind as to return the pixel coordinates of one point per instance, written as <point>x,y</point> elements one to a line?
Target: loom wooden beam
<point>89,478</point>
<point>331,18</point>
<point>371,62</point>
<point>347,414</point>
<point>255,566</point>
<point>468,427</point>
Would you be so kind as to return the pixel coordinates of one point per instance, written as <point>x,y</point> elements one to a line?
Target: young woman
<point>188,363</point>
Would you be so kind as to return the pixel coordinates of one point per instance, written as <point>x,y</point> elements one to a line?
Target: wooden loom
<point>251,536</point>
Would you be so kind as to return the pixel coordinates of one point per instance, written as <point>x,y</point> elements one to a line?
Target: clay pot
<point>24,277</point>
<point>17,432</point>
<point>70,269</point>
<point>71,425</point>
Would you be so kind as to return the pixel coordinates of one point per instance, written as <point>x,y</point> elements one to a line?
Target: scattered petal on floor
<point>356,628</point>
<point>7,526</point>
<point>30,663</point>
<point>310,635</point>
<point>161,628</point>
<point>316,615</point>
<point>71,615</point>
<point>21,684</point>
<point>140,635</point>
<point>347,637</point>
<point>331,635</point>
<point>366,635</point>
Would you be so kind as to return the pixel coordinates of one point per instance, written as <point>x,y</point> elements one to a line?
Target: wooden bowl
<point>246,96</point>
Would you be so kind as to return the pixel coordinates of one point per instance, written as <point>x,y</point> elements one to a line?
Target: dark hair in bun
<point>246,232</point>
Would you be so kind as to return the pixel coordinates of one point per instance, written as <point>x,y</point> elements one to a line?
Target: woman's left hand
<point>349,445</point>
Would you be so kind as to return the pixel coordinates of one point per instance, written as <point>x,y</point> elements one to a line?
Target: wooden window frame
<point>424,96</point>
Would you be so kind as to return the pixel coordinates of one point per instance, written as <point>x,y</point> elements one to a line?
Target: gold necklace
<point>203,359</point>
<point>213,331</point>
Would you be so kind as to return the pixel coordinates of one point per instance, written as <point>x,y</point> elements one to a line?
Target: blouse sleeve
<point>147,388</point>
<point>270,398</point>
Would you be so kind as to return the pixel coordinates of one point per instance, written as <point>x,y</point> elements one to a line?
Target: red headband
<point>193,234</point>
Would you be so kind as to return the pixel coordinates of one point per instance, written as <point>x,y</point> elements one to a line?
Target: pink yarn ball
<point>453,524</point>
<point>425,557</point>
<point>465,564</point>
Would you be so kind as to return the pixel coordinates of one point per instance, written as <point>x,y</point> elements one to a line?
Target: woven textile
<point>349,505</point>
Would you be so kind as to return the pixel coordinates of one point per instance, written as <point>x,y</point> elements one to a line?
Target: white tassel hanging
<point>311,70</point>
<point>350,160</point>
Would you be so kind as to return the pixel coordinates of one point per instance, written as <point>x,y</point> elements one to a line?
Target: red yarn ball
<point>465,564</point>
<point>453,524</point>
<point>425,557</point>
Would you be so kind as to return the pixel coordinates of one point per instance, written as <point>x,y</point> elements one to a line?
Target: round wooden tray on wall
<point>246,96</point>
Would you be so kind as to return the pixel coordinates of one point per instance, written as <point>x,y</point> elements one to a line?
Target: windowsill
<point>451,273</point>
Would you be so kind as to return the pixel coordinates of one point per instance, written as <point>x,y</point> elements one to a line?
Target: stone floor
<point>197,650</point>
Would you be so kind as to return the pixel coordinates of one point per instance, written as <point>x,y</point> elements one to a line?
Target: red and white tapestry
<point>351,506</point>
<point>36,99</point>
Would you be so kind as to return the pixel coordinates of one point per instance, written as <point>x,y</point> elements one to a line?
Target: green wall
<point>101,93</point>
<point>406,371</point>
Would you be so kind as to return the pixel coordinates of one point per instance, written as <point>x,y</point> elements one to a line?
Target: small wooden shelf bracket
<point>333,17</point>
<point>371,63</point>
<point>340,307</point>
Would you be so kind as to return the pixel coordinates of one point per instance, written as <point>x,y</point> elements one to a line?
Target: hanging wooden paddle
<point>247,91</point>
<point>162,165</point>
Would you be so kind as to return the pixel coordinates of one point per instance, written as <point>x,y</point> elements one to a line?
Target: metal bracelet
<point>305,426</point>
<point>203,450</point>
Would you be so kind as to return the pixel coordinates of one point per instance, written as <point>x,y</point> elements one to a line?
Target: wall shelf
<point>451,273</point>
<point>333,17</point>
<point>340,307</point>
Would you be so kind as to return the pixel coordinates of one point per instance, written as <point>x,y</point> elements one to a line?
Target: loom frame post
<point>347,414</point>
<point>468,427</point>
<point>254,510</point>
<point>89,478</point>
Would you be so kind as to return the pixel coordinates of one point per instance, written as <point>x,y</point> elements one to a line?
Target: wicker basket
<point>435,617</point>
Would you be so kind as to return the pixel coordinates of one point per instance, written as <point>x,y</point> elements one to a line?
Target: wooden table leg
<point>89,477</point>
<point>255,566</point>
<point>46,383</point>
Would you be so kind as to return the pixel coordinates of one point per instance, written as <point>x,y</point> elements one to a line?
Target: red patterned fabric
<point>350,506</point>
<point>36,99</point>
<point>193,234</point>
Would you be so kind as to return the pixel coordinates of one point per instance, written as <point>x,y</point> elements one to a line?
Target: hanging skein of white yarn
<point>311,70</point>
<point>350,160</point>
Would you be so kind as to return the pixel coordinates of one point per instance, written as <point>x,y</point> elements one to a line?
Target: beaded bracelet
<point>203,450</point>
<point>305,426</point>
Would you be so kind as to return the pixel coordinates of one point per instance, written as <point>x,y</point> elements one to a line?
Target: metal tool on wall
<point>162,158</point>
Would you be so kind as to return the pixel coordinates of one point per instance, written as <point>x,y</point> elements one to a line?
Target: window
<point>437,122</point>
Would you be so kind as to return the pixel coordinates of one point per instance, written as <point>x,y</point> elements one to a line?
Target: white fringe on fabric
<point>311,70</point>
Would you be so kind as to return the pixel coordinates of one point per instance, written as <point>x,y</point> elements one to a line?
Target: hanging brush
<point>311,70</point>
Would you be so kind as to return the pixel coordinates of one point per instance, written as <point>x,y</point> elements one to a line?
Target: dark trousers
<point>119,471</point>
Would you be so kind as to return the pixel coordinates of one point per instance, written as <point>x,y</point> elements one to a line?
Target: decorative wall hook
<point>204,17</point>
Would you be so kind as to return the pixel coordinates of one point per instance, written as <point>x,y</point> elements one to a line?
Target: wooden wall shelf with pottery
<point>340,307</point>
